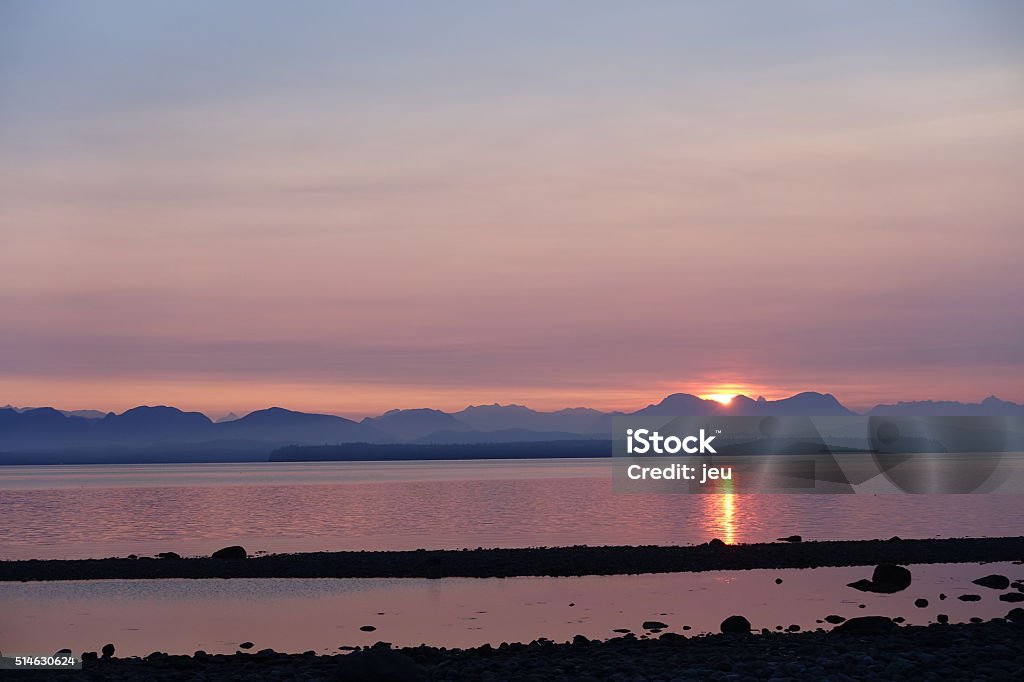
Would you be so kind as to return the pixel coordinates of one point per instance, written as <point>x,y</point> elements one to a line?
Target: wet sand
<point>545,561</point>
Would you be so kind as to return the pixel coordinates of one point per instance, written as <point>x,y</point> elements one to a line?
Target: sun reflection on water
<point>722,512</point>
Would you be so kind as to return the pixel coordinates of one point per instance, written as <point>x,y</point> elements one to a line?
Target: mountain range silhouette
<point>163,433</point>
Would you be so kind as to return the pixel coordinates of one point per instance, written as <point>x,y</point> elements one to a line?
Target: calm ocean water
<point>116,510</point>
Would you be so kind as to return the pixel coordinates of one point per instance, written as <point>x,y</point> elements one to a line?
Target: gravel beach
<point>544,561</point>
<point>984,651</point>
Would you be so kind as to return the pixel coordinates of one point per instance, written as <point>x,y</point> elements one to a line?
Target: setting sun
<point>724,398</point>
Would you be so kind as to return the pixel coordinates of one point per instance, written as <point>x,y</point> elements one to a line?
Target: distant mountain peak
<point>281,413</point>
<point>498,406</point>
<point>152,409</point>
<point>415,423</point>
<point>989,407</point>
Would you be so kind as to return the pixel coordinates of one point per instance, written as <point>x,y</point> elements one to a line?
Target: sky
<point>355,206</point>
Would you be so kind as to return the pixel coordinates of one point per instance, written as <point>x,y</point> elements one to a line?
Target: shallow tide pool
<point>295,615</point>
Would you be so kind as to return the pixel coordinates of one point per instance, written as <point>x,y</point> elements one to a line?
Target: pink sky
<point>578,223</point>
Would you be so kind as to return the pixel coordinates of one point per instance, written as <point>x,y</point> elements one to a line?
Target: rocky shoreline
<point>543,561</point>
<point>979,651</point>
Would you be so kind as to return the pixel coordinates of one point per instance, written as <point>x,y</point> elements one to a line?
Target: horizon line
<point>214,415</point>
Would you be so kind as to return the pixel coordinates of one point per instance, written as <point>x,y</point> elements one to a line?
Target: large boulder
<point>886,579</point>
<point>736,625</point>
<point>890,578</point>
<point>867,625</point>
<point>232,552</point>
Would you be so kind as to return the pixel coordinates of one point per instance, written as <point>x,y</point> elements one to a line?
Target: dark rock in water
<point>921,603</point>
<point>580,640</point>
<point>736,625</point>
<point>890,578</point>
<point>791,538</point>
<point>672,637</point>
<point>1012,597</point>
<point>942,596</point>
<point>862,606</point>
<point>886,579</point>
<point>715,542</point>
<point>778,581</point>
<point>994,581</point>
<point>245,645</point>
<point>899,619</point>
<point>687,627</point>
<point>793,628</point>
<point>168,555</point>
<point>378,665</point>
<point>133,556</point>
<point>895,538</point>
<point>90,656</point>
<point>368,628</point>
<point>975,619</point>
<point>622,630</point>
<point>863,585</point>
<point>232,552</point>
<point>1015,615</point>
<point>835,620</point>
<point>969,597</point>
<point>867,625</point>
<point>654,625</point>
<point>108,650</point>
<point>942,618</point>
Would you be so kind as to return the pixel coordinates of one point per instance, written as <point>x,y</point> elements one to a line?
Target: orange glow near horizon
<point>217,396</point>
